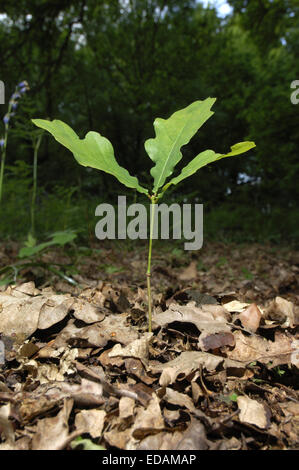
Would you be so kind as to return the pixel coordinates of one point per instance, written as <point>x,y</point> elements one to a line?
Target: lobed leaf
<point>172,134</point>
<point>206,157</point>
<point>94,151</point>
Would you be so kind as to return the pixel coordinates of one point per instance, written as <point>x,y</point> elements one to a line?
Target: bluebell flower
<point>2,142</point>
<point>6,118</point>
<point>13,104</point>
<point>23,84</point>
<point>21,88</point>
<point>16,95</point>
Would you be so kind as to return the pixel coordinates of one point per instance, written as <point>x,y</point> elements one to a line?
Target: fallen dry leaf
<point>52,433</point>
<point>235,306</point>
<point>27,288</point>
<point>54,309</point>
<point>161,441</point>
<point>87,312</point>
<point>253,412</point>
<point>255,348</point>
<point>177,398</point>
<point>91,422</point>
<point>207,318</point>
<point>171,416</point>
<point>106,360</point>
<point>251,317</point>
<point>291,410</point>
<point>208,341</point>
<point>112,328</point>
<point>23,313</point>
<point>139,349</point>
<point>148,419</point>
<point>88,393</point>
<point>281,310</point>
<point>137,369</point>
<point>49,372</point>
<point>126,407</point>
<point>6,426</point>
<point>194,438</point>
<point>116,329</point>
<point>184,364</point>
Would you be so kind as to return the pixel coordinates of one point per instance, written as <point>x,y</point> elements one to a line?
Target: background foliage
<point>113,66</point>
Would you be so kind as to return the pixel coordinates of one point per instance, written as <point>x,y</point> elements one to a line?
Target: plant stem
<point>18,266</point>
<point>3,156</point>
<point>32,209</point>
<point>148,273</point>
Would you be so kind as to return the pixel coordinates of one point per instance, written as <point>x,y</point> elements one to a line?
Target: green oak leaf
<point>94,151</point>
<point>172,134</point>
<point>206,157</point>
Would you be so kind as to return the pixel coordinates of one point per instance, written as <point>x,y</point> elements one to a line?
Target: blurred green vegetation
<point>114,66</point>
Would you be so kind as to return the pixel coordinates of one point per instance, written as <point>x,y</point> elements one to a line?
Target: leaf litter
<point>219,371</point>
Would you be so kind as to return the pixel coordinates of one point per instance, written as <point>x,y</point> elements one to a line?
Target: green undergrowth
<point>59,208</point>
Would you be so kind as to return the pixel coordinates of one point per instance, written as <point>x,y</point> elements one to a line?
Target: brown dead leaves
<point>25,309</point>
<point>283,350</point>
<point>53,433</point>
<point>83,363</point>
<point>210,320</point>
<point>183,365</point>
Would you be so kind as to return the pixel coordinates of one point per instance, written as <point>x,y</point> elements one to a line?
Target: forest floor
<point>218,371</point>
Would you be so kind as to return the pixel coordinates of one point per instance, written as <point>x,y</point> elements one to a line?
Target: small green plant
<point>57,238</point>
<point>110,269</point>
<point>247,274</point>
<point>85,444</point>
<point>201,267</point>
<point>279,371</point>
<point>164,150</point>
<point>233,397</point>
<point>29,255</point>
<point>221,262</point>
